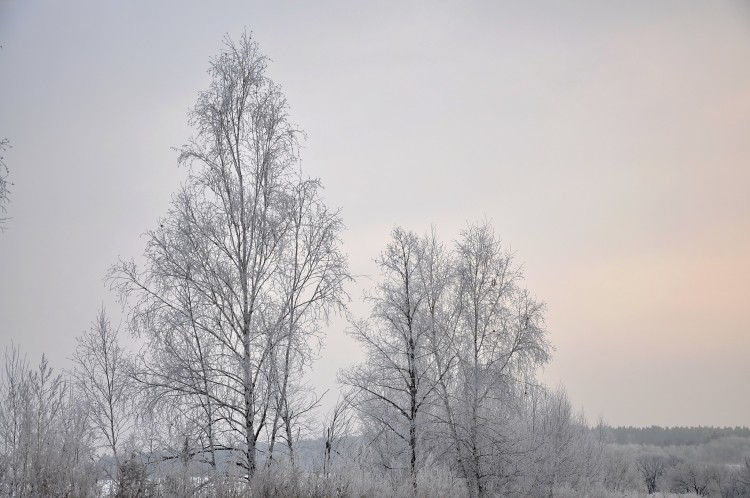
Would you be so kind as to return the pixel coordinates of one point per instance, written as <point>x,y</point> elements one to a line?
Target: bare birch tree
<point>309,280</point>
<point>242,269</point>
<point>103,383</point>
<point>337,430</point>
<point>398,378</point>
<point>502,341</point>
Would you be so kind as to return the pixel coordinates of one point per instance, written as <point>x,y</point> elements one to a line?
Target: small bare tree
<point>104,384</point>
<point>559,450</point>
<point>690,477</point>
<point>337,429</point>
<point>652,467</point>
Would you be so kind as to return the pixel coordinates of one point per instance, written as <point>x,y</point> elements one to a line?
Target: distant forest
<point>674,436</point>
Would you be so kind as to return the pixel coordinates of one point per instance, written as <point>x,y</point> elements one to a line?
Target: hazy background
<point>609,142</point>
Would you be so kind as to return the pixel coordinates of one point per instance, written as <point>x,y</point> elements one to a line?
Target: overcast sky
<point>609,143</point>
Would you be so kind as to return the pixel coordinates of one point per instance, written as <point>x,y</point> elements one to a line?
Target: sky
<point>608,142</point>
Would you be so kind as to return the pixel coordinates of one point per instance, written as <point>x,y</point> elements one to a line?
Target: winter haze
<point>607,143</point>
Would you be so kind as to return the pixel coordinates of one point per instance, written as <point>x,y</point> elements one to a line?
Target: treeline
<point>669,436</point>
<point>714,471</point>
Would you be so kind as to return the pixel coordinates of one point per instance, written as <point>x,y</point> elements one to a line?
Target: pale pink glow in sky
<point>608,142</point>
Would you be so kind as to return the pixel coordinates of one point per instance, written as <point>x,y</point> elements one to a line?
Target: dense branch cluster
<point>46,442</point>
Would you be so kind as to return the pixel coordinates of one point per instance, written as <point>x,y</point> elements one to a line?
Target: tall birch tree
<point>398,378</point>
<point>242,269</point>
<point>501,343</point>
